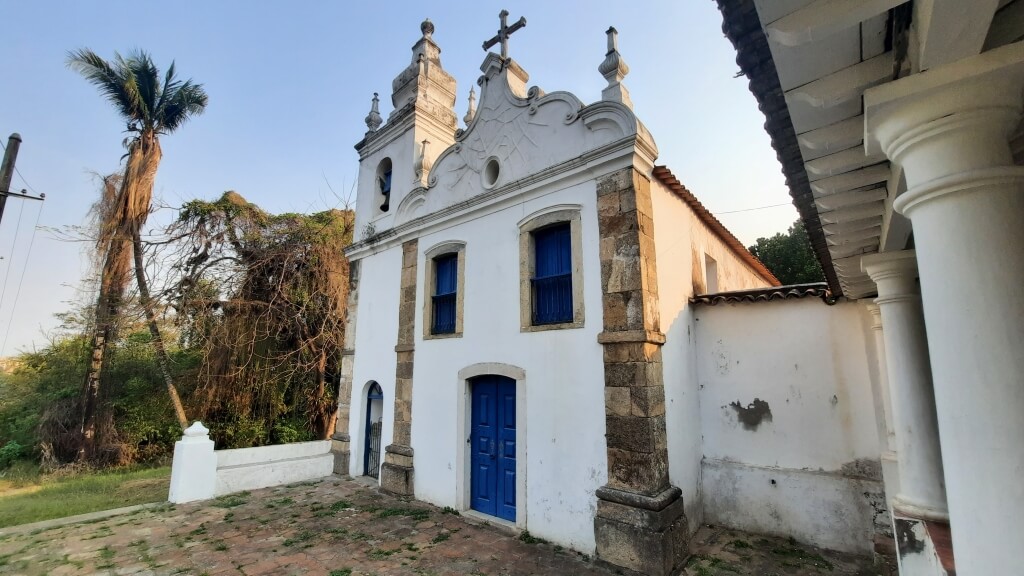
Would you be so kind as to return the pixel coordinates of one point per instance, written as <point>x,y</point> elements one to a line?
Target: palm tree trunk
<point>158,342</point>
<point>108,306</point>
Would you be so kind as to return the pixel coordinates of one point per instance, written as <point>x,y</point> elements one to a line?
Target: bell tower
<point>395,155</point>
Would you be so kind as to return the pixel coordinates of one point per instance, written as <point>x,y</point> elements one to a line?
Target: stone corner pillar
<point>397,472</point>
<point>922,492</point>
<point>640,523</point>
<point>950,129</point>
<point>194,468</point>
<point>341,441</point>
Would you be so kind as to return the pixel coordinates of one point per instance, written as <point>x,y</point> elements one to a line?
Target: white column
<point>922,492</point>
<point>949,129</point>
<point>887,442</point>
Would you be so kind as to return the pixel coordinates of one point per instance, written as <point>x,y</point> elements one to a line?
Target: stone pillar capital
<point>894,273</point>
<point>876,315</point>
<point>949,128</point>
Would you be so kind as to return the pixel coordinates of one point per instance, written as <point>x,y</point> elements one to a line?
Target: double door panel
<point>493,441</point>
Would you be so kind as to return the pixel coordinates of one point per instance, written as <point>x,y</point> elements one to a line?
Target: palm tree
<point>151,108</point>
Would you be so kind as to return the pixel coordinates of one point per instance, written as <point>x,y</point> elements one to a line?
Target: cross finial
<point>504,32</point>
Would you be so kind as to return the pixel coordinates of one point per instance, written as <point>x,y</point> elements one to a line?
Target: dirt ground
<point>339,527</point>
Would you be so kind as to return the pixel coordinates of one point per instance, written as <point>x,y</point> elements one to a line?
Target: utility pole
<point>7,169</point>
<point>7,173</point>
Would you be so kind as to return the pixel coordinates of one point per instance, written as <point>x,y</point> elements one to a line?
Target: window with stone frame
<point>551,285</point>
<point>551,270</point>
<point>446,274</point>
<point>443,290</point>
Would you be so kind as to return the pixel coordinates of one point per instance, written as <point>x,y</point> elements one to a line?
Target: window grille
<point>446,277</point>
<point>552,281</point>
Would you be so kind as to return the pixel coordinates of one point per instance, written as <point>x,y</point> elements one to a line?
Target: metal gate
<point>373,450</point>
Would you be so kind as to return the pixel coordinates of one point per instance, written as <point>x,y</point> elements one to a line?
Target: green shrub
<point>9,453</point>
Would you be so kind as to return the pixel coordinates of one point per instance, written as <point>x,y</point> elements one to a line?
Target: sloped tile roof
<point>791,292</point>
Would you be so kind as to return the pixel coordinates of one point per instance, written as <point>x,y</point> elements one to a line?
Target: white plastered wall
<point>681,241</point>
<point>561,404</point>
<point>376,336</point>
<point>811,469</point>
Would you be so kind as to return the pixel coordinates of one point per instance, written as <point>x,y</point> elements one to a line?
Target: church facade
<point>521,342</point>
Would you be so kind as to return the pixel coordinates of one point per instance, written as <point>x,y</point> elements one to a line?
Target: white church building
<point>548,330</point>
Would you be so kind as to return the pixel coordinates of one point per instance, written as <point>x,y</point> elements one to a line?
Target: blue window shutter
<point>385,185</point>
<point>446,282</point>
<point>552,281</point>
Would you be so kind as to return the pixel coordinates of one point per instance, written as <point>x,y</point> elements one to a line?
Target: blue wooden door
<point>493,441</point>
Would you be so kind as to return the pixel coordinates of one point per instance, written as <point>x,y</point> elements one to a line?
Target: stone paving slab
<point>334,527</point>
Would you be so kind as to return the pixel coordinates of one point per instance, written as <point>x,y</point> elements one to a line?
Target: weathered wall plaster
<point>681,240</point>
<point>788,421</point>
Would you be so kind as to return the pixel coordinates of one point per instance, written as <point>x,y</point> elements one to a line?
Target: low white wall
<point>790,440</point>
<point>198,472</point>
<point>265,466</point>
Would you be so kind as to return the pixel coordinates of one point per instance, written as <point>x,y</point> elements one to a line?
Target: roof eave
<point>742,27</point>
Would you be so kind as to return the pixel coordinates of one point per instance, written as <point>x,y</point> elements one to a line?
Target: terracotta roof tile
<point>791,292</point>
<point>665,176</point>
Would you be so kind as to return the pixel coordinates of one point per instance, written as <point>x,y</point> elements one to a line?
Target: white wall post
<point>922,492</point>
<point>194,468</point>
<point>887,444</point>
<point>949,128</point>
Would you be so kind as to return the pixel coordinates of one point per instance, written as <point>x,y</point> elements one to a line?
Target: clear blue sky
<point>289,86</point>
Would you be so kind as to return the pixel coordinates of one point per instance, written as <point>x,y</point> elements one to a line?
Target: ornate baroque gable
<point>516,135</point>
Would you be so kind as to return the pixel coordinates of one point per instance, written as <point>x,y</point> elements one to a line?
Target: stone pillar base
<point>396,474</point>
<point>340,447</point>
<point>647,534</point>
<point>924,547</point>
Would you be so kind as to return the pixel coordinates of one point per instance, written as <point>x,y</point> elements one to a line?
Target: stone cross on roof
<point>504,32</point>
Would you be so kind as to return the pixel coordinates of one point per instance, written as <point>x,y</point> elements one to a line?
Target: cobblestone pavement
<point>339,527</point>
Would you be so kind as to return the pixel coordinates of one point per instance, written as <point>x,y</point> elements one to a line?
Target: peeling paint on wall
<point>907,538</point>
<point>752,415</point>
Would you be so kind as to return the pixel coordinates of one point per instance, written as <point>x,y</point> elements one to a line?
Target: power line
<point>17,293</point>
<point>751,209</point>
<point>10,258</point>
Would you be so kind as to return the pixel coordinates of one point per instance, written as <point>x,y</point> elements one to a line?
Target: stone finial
<point>424,85</point>
<point>471,112</point>
<point>423,164</point>
<point>373,119</point>
<point>197,429</point>
<point>614,69</point>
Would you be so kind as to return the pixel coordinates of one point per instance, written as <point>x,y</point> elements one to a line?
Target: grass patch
<point>441,537</point>
<point>231,500</point>
<point>414,513</point>
<point>525,536</point>
<point>380,553</point>
<point>342,572</point>
<point>304,536</point>
<point>25,499</point>
<point>340,505</point>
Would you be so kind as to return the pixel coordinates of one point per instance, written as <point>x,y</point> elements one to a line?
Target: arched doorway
<point>374,414</point>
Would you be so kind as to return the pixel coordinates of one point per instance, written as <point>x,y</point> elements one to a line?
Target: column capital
<point>876,315</point>
<point>949,127</point>
<point>894,273</point>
